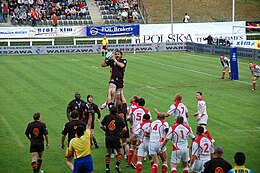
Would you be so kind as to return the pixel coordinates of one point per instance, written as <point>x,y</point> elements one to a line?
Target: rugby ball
<point>109,55</point>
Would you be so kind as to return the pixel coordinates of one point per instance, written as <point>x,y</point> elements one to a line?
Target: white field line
<point>195,71</point>
<point>12,132</point>
<point>210,58</point>
<point>256,130</point>
<point>150,87</point>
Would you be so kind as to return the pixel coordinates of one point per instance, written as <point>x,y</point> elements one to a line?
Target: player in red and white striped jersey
<point>255,70</point>
<point>177,109</point>
<point>143,141</point>
<point>225,62</point>
<point>202,114</point>
<point>136,118</point>
<point>157,132</point>
<point>202,150</point>
<point>179,135</point>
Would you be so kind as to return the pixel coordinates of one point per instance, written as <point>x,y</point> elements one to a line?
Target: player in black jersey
<point>92,110</point>
<point>76,104</point>
<point>36,131</point>
<point>114,127</point>
<point>122,111</point>
<point>70,129</point>
<point>117,73</point>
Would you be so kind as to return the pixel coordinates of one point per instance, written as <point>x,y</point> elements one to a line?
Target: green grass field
<point>46,83</point>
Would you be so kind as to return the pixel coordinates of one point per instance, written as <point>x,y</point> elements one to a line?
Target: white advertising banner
<point>191,32</point>
<point>251,44</point>
<point>42,32</point>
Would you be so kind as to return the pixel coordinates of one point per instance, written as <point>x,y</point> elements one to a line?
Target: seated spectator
<point>67,12</point>
<point>73,12</point>
<point>136,15</point>
<point>119,15</point>
<point>82,11</point>
<point>81,5</point>
<point>124,15</point>
<point>130,17</point>
<point>126,5</point>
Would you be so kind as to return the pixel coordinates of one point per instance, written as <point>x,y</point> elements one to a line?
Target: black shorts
<point>112,142</point>
<point>37,147</point>
<point>104,47</point>
<point>126,134</point>
<point>119,82</point>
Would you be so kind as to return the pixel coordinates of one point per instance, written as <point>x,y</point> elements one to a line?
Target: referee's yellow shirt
<point>104,42</point>
<point>81,146</point>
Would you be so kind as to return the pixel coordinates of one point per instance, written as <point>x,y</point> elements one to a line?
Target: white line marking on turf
<point>211,58</point>
<point>95,67</point>
<point>150,87</point>
<point>75,60</point>
<point>247,130</point>
<point>12,132</point>
<point>258,127</point>
<point>195,71</point>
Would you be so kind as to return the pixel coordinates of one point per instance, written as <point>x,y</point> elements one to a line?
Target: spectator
<point>186,18</point>
<point>209,40</point>
<point>217,164</point>
<point>55,20</point>
<point>124,15</point>
<point>240,160</point>
<point>136,15</point>
<point>130,17</point>
<point>1,12</point>
<point>5,12</point>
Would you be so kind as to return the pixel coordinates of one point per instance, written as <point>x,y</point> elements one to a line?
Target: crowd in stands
<point>125,11</point>
<point>31,11</point>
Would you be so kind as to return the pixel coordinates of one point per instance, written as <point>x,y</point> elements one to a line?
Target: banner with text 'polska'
<point>191,32</point>
<point>126,30</point>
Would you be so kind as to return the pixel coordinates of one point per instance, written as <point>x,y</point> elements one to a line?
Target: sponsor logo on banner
<point>43,32</point>
<point>59,31</point>
<point>126,30</point>
<point>252,44</point>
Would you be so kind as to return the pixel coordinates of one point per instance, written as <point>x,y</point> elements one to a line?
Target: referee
<point>104,46</point>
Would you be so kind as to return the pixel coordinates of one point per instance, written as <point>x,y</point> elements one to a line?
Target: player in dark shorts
<point>70,129</point>
<point>92,110</point>
<point>36,131</point>
<point>76,104</point>
<point>117,73</point>
<point>114,127</point>
<point>122,111</point>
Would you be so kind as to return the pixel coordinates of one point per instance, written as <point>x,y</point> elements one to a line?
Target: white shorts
<point>154,148</point>
<point>143,149</point>
<point>203,120</point>
<point>179,155</point>
<point>257,74</point>
<point>198,165</point>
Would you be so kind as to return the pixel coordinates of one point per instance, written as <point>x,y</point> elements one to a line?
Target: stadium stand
<point>40,12</point>
<point>111,12</point>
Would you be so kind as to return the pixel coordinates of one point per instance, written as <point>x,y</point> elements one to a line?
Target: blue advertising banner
<point>126,30</point>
